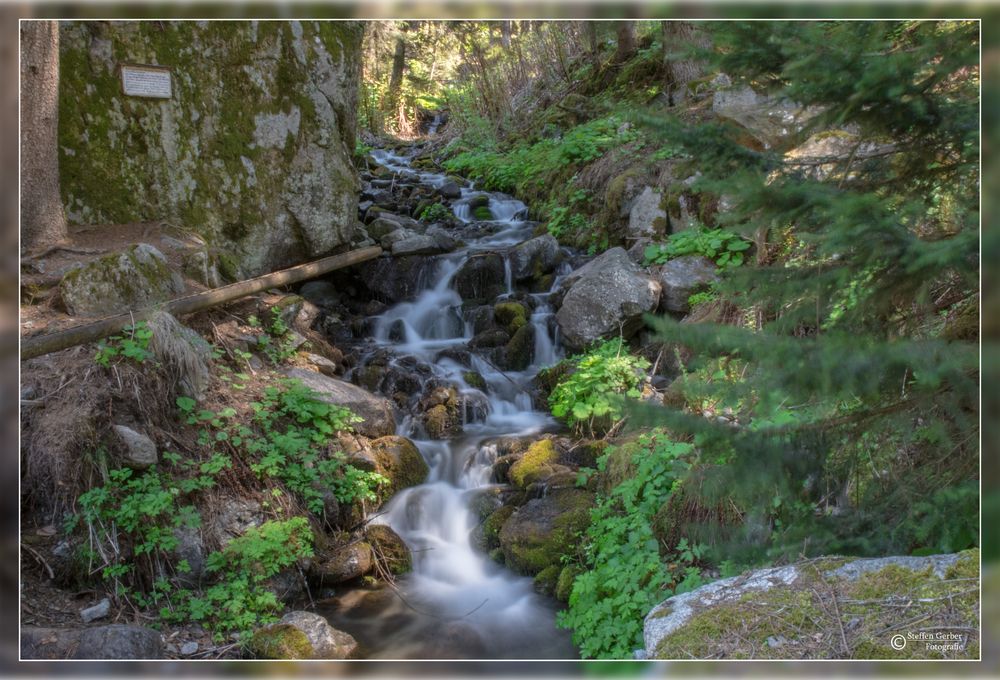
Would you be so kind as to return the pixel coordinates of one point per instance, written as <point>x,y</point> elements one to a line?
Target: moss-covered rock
<point>892,608</point>
<point>280,642</point>
<point>302,635</point>
<point>389,549</point>
<point>546,580</point>
<point>474,379</point>
<point>252,150</point>
<point>493,524</point>
<point>399,459</point>
<point>520,349</point>
<point>564,585</point>
<point>510,315</point>
<point>127,280</point>
<point>541,531</point>
<point>535,465</point>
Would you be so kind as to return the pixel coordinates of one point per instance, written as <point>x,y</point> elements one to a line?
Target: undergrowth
<point>626,571</point>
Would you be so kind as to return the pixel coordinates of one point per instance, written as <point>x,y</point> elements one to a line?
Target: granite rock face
<point>252,150</point>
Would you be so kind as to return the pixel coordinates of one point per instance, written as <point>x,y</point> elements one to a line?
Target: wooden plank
<point>38,345</point>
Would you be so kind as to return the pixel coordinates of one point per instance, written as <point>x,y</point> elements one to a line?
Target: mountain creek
<point>457,602</point>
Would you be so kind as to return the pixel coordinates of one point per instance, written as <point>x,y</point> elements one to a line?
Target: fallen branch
<point>39,345</point>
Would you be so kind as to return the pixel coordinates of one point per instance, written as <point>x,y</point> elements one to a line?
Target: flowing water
<point>457,602</point>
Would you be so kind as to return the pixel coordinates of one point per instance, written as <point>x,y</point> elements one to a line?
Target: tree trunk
<point>626,41</point>
<point>593,44</point>
<point>43,221</point>
<point>679,70</point>
<point>396,79</point>
<point>505,34</point>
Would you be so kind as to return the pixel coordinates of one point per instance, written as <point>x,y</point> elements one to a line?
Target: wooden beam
<point>38,345</point>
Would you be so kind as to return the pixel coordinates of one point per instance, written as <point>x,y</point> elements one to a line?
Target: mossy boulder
<point>510,315</point>
<point>302,635</point>
<point>493,524</point>
<point>535,465</point>
<point>564,585</point>
<point>252,150</point>
<point>542,530</point>
<point>399,459</point>
<point>133,278</point>
<point>390,550</point>
<point>280,642</point>
<point>827,608</point>
<point>545,581</point>
<point>520,349</point>
<point>343,563</point>
<point>474,379</point>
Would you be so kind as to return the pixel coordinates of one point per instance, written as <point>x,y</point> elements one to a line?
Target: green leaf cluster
<point>722,246</point>
<point>591,397</point>
<point>133,344</point>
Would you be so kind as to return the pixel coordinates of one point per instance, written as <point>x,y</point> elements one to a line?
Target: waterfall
<point>453,585</point>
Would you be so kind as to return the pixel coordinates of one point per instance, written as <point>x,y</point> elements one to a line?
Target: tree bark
<point>626,41</point>
<point>396,79</point>
<point>679,70</point>
<point>505,34</point>
<point>43,221</point>
<point>594,52</point>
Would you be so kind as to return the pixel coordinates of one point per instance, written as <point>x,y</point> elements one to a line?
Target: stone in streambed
<point>539,532</point>
<point>345,563</point>
<point>398,459</point>
<point>302,635</point>
<point>482,277</point>
<point>389,548</point>
<point>535,257</point>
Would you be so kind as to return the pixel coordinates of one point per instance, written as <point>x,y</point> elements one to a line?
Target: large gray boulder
<point>535,257</point>
<point>133,278</point>
<point>113,642</point>
<point>768,119</point>
<point>680,278</point>
<point>646,218</point>
<point>434,241</point>
<point>828,607</point>
<point>605,297</point>
<point>376,412</point>
<point>253,150</point>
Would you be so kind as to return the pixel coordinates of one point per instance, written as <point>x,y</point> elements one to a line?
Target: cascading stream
<point>457,602</point>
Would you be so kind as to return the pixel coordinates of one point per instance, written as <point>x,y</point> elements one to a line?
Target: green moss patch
<point>535,464</point>
<point>821,616</point>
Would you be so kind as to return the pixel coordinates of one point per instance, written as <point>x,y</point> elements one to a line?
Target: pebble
<point>98,611</point>
<point>189,648</point>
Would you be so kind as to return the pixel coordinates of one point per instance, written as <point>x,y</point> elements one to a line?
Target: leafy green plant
<point>719,245</point>
<point>435,212</point>
<point>287,440</point>
<point>240,599</point>
<point>133,344</point>
<point>591,397</point>
<point>623,573</point>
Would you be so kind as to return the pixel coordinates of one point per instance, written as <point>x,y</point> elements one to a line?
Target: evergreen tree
<point>854,370</point>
